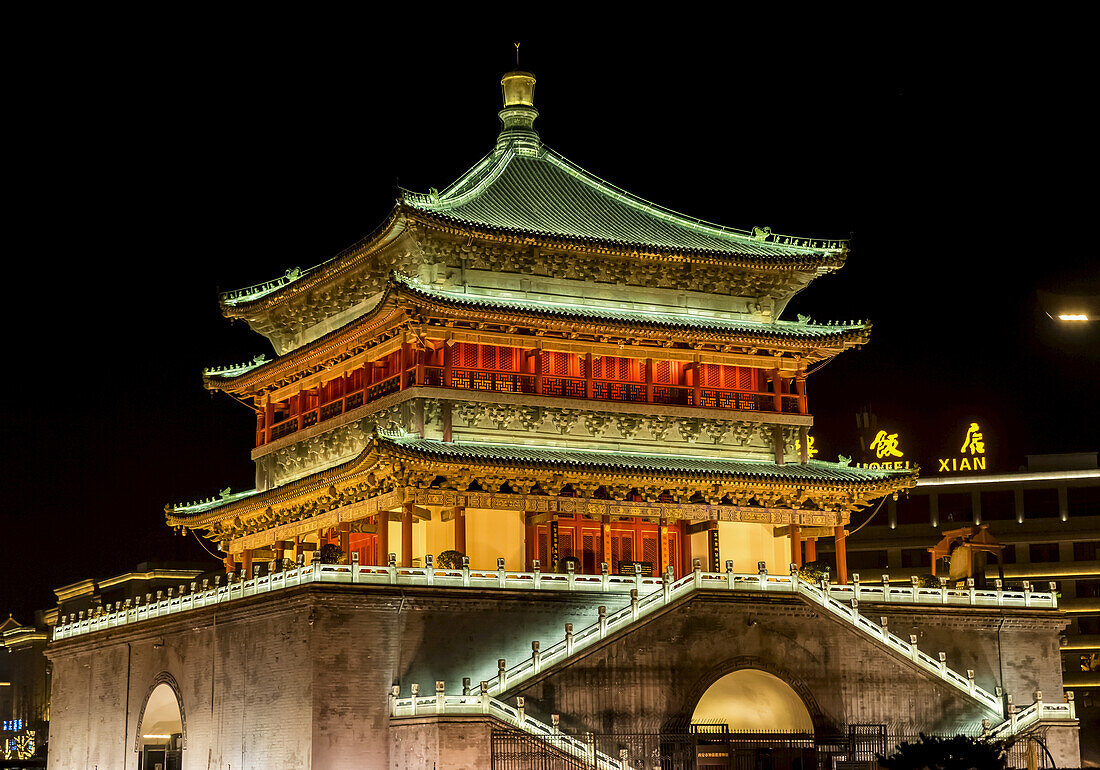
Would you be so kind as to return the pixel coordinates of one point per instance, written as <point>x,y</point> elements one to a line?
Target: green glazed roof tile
<point>653,317</point>
<point>549,195</point>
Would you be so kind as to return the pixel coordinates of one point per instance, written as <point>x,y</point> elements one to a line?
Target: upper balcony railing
<point>326,406</point>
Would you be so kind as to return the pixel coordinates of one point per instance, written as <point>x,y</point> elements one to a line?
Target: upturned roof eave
<point>403,212</point>
<point>380,449</point>
<point>285,366</point>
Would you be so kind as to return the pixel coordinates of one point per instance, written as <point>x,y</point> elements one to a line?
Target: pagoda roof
<point>604,318</point>
<point>410,452</point>
<point>545,194</point>
<point>814,471</point>
<point>618,312</point>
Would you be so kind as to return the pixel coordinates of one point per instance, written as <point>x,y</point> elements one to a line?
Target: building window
<point>1087,589</point>
<point>955,508</point>
<point>1085,551</point>
<point>998,506</point>
<point>913,510</point>
<point>867,560</point>
<point>1083,501</point>
<point>915,557</point>
<point>1088,625</point>
<point>1040,503</point>
<point>1043,552</point>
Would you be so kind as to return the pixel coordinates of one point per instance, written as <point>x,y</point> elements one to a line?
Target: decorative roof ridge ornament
<point>519,113</point>
<point>235,370</point>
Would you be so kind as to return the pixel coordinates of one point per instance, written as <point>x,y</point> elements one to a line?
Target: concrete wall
<point>300,678</point>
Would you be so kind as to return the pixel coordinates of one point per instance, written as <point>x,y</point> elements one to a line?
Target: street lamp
<point>1071,309</point>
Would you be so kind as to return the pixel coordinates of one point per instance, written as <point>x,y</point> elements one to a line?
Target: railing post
<point>970,590</point>
<point>885,621</point>
<point>762,570</point>
<point>970,681</point>
<point>634,604</point>
<point>440,697</point>
<point>570,571</point>
<point>913,651</point>
<point>502,674</point>
<point>729,574</point>
<point>500,571</point>
<point>697,569</point>
<point>354,566</point>
<point>537,572</point>
<point>1053,594</point>
<point>415,692</point>
<point>1071,704</point>
<point>568,639</point>
<point>602,611</point>
<point>666,586</point>
<point>604,573</point>
<point>392,568</point>
<point>1027,593</point>
<point>535,657</point>
<point>429,570</point>
<point>985,727</point>
<point>465,686</point>
<point>590,741</point>
<point>520,710</point>
<point>555,724</point>
<point>1012,715</point>
<point>943,663</point>
<point>484,697</point>
<point>466,571</point>
<point>914,580</point>
<point>394,692</point>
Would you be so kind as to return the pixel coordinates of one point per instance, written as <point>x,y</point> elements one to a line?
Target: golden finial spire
<point>516,44</point>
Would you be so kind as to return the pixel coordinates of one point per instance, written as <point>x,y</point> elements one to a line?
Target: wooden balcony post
<point>246,564</point>
<point>382,539</point>
<point>777,391</point>
<point>448,362</point>
<point>460,530</point>
<point>605,531</point>
<point>345,544</point>
<point>402,365</point>
<point>800,388</point>
<point>811,549</point>
<point>841,555</point>
<point>407,535</point>
<point>685,548</point>
<point>649,380</point>
<point>420,352</point>
<point>796,545</point>
<point>664,551</point>
<point>697,384</point>
<point>588,375</point>
<point>538,372</point>
<point>259,428</point>
<point>269,419</point>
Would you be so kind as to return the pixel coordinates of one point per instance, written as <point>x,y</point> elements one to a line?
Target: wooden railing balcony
<point>590,388</point>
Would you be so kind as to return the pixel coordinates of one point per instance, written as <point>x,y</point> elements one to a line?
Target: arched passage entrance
<point>160,733</point>
<point>752,718</point>
<point>751,700</point>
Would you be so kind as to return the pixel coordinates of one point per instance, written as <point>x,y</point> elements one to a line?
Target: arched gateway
<point>160,727</point>
<point>751,700</point>
<point>751,716</point>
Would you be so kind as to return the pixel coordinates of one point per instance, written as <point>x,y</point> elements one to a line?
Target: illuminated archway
<point>754,701</point>
<point>161,722</point>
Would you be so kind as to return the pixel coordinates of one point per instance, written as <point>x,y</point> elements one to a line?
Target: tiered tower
<point>535,365</point>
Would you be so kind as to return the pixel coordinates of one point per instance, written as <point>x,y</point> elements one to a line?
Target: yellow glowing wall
<point>745,544</point>
<point>492,534</point>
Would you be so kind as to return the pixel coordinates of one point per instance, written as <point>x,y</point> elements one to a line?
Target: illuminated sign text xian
<point>971,455</point>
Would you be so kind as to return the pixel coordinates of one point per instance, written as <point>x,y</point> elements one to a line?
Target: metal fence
<point>709,747</point>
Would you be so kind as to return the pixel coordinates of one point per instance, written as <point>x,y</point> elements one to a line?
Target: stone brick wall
<point>300,678</point>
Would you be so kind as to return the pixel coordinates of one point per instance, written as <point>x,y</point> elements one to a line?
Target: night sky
<point>151,176</point>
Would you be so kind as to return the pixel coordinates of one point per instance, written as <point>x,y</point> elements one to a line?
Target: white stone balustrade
<point>484,704</point>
